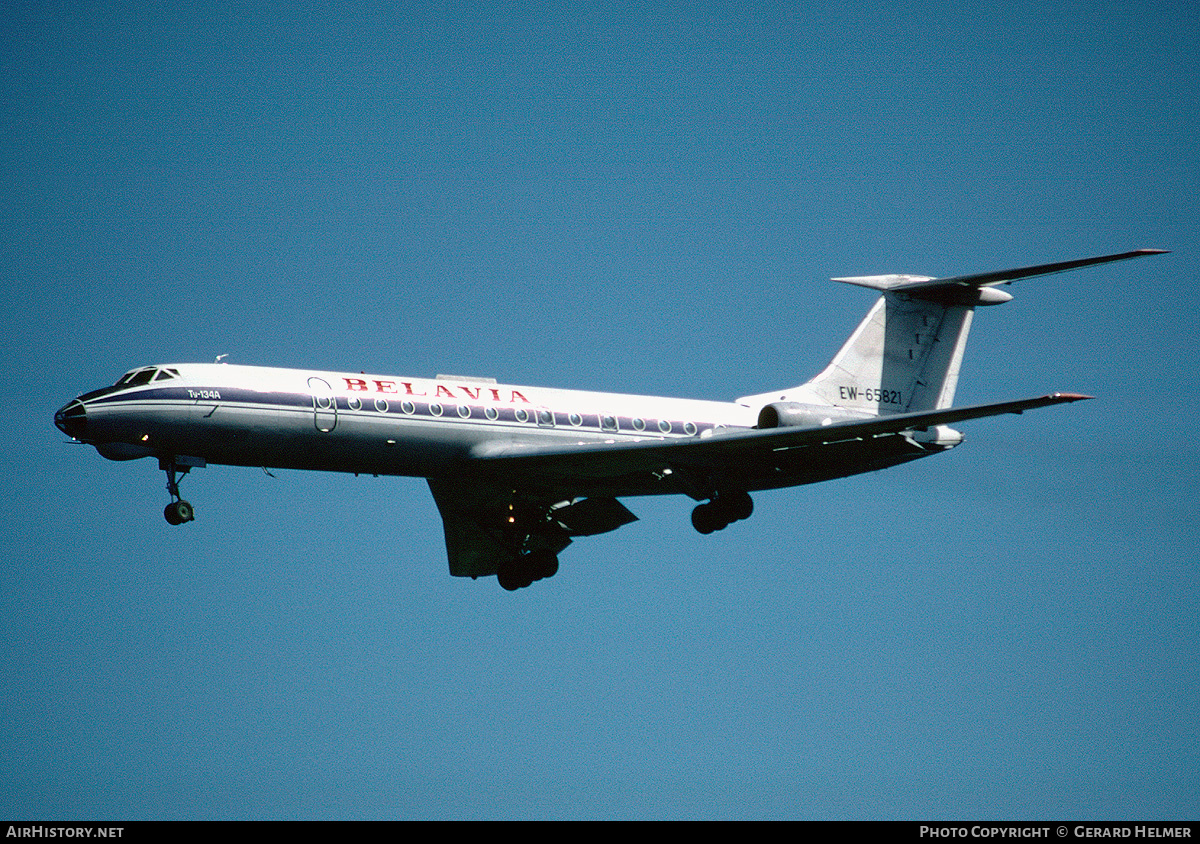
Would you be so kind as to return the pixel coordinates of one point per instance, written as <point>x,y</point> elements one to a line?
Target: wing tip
<point>1069,397</point>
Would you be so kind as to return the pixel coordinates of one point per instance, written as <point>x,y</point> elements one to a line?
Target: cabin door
<point>324,405</point>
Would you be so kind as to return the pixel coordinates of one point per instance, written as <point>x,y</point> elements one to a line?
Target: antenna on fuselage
<point>220,358</point>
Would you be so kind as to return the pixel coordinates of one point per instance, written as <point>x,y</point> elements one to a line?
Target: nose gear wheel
<point>178,511</point>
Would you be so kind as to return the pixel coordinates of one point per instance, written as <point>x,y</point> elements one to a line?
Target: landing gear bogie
<point>520,571</point>
<point>722,511</point>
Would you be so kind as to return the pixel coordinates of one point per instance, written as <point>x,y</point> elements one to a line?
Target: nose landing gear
<point>178,511</point>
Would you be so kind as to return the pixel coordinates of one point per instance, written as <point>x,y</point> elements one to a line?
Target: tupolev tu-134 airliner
<point>518,472</point>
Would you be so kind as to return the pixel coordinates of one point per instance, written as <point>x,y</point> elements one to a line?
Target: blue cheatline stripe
<point>507,414</point>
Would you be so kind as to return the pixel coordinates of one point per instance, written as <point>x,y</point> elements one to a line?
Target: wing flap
<point>472,550</point>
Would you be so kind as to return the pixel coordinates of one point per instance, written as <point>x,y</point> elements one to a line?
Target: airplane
<point>518,472</point>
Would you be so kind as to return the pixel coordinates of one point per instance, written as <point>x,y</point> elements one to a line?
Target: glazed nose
<point>72,419</point>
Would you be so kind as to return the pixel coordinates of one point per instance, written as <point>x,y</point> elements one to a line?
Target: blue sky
<point>626,197</point>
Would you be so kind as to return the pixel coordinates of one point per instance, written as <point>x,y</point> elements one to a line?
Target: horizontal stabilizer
<point>918,283</point>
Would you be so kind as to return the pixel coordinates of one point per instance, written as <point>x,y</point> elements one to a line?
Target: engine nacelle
<point>790,414</point>
<point>940,436</point>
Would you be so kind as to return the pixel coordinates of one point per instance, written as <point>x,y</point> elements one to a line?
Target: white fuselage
<point>376,424</point>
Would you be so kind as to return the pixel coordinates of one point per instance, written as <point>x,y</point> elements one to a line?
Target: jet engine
<point>790,414</point>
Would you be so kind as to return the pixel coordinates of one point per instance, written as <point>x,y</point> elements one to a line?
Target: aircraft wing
<point>513,495</point>
<point>597,460</point>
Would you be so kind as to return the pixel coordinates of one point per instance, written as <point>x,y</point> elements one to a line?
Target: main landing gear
<point>721,511</point>
<point>178,511</point>
<point>520,571</point>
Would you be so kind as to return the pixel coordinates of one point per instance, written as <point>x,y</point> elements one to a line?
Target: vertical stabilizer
<point>904,356</point>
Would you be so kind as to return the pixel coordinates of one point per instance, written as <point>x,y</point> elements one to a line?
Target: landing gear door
<point>324,404</point>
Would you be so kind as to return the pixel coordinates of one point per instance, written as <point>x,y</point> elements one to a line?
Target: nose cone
<point>72,419</point>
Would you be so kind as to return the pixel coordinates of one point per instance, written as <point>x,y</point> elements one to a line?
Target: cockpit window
<point>146,374</point>
<point>137,377</point>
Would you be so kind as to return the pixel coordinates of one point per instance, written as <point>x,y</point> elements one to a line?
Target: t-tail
<point>906,354</point>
